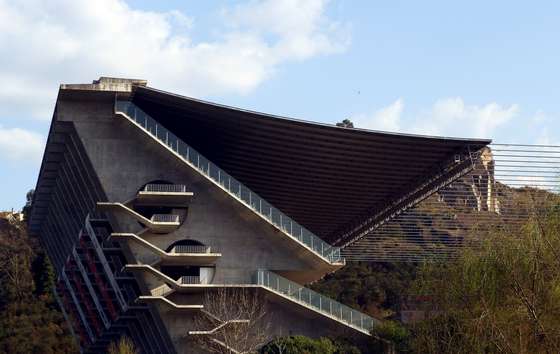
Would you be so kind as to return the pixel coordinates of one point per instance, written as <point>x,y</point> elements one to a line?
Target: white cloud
<point>451,116</point>
<point>385,119</point>
<point>541,123</point>
<point>448,117</point>
<point>45,43</point>
<point>20,145</point>
<point>300,27</point>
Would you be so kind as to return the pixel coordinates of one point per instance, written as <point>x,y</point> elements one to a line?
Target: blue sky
<point>475,69</point>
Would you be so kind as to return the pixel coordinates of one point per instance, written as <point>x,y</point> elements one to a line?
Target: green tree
<point>29,323</point>
<point>376,288</point>
<point>16,279</point>
<point>26,210</point>
<point>306,345</point>
<point>44,276</point>
<point>346,123</point>
<point>500,296</point>
<point>32,327</point>
<point>393,334</point>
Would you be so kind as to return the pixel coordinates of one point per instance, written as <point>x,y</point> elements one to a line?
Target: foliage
<point>29,320</point>
<point>306,345</point>
<point>500,297</point>
<point>123,346</point>
<point>393,332</point>
<point>15,263</point>
<point>346,123</point>
<point>376,288</point>
<point>31,327</point>
<point>29,200</point>
<point>44,275</point>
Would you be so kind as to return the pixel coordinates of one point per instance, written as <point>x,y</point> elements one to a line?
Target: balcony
<point>184,284</point>
<point>180,249</point>
<point>165,219</point>
<point>178,255</point>
<point>189,280</point>
<point>159,295</point>
<point>171,195</point>
<point>158,223</point>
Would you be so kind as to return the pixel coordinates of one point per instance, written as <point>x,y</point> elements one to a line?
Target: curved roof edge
<point>178,97</point>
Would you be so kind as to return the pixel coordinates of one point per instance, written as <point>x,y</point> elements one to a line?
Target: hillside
<point>459,214</point>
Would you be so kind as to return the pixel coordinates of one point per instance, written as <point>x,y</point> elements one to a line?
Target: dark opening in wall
<point>149,210</point>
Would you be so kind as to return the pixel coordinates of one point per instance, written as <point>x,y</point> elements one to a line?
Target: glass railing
<point>315,300</point>
<point>233,186</point>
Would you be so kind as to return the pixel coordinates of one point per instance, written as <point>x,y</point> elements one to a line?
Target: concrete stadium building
<point>147,200</point>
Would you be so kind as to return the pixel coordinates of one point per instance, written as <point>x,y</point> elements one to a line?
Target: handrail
<point>189,279</point>
<point>228,183</point>
<point>310,298</point>
<point>165,188</point>
<point>171,218</point>
<point>191,249</point>
<point>285,288</point>
<point>170,303</point>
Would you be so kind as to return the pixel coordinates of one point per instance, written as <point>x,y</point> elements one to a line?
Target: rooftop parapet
<point>107,84</point>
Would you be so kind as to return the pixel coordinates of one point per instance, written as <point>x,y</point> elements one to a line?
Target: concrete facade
<point>124,159</point>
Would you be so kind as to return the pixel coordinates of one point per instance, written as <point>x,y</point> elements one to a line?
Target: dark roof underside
<point>320,175</point>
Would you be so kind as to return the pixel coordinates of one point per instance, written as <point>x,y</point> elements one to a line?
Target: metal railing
<point>165,188</point>
<point>165,218</point>
<point>228,183</point>
<point>315,300</point>
<point>191,249</point>
<point>189,279</point>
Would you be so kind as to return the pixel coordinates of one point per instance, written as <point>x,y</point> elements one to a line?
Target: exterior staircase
<point>158,223</point>
<point>230,185</point>
<point>281,287</point>
<point>185,255</point>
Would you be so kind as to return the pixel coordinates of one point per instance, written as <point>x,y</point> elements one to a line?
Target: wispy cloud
<point>451,116</point>
<point>447,116</point>
<point>541,123</point>
<point>45,43</point>
<point>20,145</point>
<point>386,119</point>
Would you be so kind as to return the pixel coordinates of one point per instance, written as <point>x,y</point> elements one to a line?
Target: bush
<point>393,332</point>
<point>305,345</point>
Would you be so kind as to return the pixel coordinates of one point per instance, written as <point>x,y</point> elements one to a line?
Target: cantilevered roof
<point>327,178</point>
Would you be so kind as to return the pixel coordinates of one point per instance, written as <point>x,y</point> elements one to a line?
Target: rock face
<point>12,216</point>
<point>477,189</point>
<point>483,183</point>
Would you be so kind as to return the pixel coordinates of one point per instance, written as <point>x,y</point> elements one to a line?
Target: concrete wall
<point>125,159</point>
